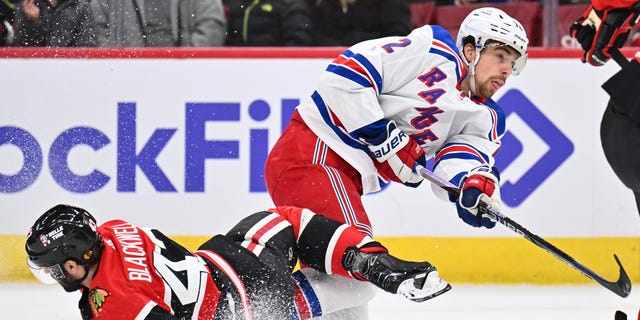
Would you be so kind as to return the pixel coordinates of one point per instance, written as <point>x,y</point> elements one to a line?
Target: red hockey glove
<point>598,31</point>
<point>397,155</point>
<point>480,184</point>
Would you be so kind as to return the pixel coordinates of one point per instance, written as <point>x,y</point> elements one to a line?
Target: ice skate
<point>416,281</point>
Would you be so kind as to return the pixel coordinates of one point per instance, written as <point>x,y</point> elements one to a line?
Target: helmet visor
<point>47,275</point>
<point>519,64</point>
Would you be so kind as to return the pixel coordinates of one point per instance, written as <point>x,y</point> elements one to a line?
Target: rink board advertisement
<point>179,143</point>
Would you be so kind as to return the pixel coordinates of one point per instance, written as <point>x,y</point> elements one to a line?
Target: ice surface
<point>28,301</point>
<point>502,302</point>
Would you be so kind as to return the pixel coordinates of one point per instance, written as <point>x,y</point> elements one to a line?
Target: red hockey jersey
<point>143,274</point>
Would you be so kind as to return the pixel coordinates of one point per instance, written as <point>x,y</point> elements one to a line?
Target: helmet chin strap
<point>472,72</point>
<point>472,80</point>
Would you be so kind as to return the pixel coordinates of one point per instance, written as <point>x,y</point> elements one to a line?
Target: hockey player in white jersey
<point>386,105</point>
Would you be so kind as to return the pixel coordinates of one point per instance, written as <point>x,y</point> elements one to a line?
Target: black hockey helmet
<point>62,233</point>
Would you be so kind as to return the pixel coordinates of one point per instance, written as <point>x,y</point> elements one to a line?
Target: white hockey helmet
<point>494,24</point>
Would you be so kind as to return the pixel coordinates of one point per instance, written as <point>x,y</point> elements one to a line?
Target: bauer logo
<point>557,148</point>
<point>135,151</point>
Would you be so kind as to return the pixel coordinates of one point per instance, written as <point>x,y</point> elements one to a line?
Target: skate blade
<point>409,290</point>
<point>446,288</point>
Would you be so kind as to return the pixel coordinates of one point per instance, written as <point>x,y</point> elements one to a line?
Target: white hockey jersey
<point>415,81</point>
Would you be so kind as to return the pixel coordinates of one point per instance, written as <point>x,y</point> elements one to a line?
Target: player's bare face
<point>493,69</point>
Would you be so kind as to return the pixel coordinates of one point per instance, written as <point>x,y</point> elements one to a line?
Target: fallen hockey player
<point>129,272</point>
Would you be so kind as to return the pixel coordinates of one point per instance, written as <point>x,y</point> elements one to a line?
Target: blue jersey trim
<point>350,74</point>
<point>444,36</point>
<point>307,290</point>
<point>377,78</point>
<point>501,119</point>
<point>324,112</point>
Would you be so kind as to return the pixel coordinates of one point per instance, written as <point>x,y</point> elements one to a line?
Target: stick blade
<point>620,315</point>
<point>623,283</point>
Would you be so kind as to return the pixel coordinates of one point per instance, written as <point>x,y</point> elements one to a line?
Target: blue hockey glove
<point>480,184</point>
<point>396,154</point>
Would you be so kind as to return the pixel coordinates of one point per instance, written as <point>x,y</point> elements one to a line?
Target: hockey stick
<point>620,59</point>
<point>622,287</point>
<point>620,315</point>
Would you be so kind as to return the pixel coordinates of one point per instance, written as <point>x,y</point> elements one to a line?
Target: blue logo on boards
<point>513,193</point>
<point>199,149</point>
<point>129,156</point>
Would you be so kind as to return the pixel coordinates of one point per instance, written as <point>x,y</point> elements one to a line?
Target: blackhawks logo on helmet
<point>97,299</point>
<point>45,240</point>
